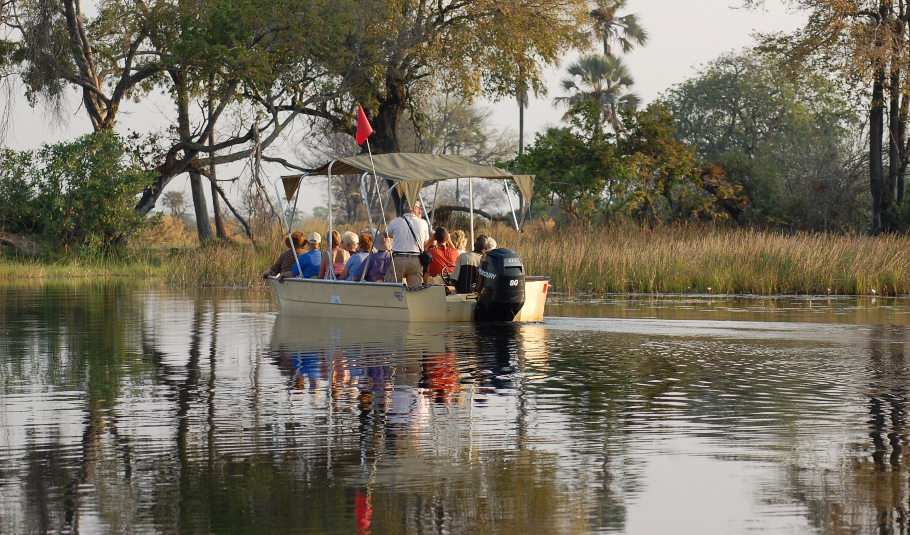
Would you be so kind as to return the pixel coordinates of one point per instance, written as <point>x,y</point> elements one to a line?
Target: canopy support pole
<point>366,199</point>
<point>512,208</point>
<point>515,219</point>
<point>471,206</point>
<point>381,208</point>
<point>435,198</point>
<point>425,214</point>
<point>293,213</point>
<point>328,254</point>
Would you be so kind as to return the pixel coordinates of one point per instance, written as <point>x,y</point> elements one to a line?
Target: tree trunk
<point>216,208</point>
<point>216,204</point>
<point>889,195</point>
<point>904,152</point>
<point>203,225</point>
<point>876,127</point>
<point>385,125</point>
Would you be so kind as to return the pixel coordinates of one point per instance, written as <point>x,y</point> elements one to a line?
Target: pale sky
<point>684,34</point>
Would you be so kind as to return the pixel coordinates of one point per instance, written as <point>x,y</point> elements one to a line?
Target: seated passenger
<point>490,245</point>
<point>459,240</point>
<point>349,242</point>
<point>287,258</point>
<point>333,260</point>
<point>465,272</point>
<point>380,259</point>
<point>309,261</point>
<point>354,267</point>
<point>443,252</point>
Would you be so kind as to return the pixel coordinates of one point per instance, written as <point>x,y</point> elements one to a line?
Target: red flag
<point>363,126</point>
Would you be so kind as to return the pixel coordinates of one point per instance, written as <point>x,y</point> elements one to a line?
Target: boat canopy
<point>412,171</point>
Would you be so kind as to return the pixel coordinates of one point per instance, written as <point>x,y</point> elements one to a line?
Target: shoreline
<point>619,260</point>
<point>561,295</point>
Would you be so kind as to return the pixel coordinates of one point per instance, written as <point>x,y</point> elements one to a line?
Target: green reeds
<point>130,262</point>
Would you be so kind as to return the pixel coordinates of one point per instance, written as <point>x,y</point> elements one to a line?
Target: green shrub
<point>76,194</point>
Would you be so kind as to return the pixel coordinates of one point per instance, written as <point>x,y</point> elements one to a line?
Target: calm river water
<point>129,408</point>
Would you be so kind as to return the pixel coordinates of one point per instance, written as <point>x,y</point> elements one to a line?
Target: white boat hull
<point>389,301</point>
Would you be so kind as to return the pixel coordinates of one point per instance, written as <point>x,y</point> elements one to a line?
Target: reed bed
<point>626,259</point>
<point>224,264</point>
<point>620,259</point>
<point>138,262</point>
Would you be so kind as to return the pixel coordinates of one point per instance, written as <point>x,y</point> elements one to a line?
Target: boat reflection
<point>406,403</point>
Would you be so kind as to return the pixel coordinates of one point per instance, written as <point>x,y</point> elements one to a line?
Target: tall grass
<point>234,265</point>
<point>677,260</point>
<point>141,262</point>
<point>617,259</point>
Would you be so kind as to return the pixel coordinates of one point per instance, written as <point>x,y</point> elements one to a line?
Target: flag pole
<point>381,207</point>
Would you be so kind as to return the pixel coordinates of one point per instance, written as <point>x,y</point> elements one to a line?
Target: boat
<point>506,292</point>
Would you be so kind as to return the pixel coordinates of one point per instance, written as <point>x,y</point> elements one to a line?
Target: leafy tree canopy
<point>777,136</point>
<point>644,172</point>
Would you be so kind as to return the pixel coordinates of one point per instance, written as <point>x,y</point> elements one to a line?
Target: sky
<point>684,34</point>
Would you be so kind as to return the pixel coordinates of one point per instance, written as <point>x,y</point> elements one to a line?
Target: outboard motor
<point>502,286</point>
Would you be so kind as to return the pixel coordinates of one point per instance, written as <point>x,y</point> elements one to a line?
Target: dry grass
<point>679,260</point>
<point>618,259</point>
<point>233,263</point>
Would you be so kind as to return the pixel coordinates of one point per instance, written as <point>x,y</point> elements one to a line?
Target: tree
<point>454,126</point>
<point>788,141</point>
<point>286,60</point>
<point>577,167</point>
<point>663,180</point>
<point>76,194</point>
<point>645,173</point>
<point>624,30</point>
<point>604,80</point>
<point>468,48</point>
<point>264,63</point>
<point>862,42</point>
<point>107,57</point>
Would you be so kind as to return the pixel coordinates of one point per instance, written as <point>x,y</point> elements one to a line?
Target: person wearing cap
<point>408,232</point>
<point>286,261</point>
<point>309,261</point>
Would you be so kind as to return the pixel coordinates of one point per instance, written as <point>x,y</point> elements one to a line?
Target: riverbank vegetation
<point>788,187</point>
<point>615,259</point>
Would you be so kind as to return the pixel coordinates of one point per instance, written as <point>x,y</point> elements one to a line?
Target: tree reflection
<point>885,478</point>
<point>64,341</point>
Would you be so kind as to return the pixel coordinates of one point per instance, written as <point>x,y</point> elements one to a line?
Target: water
<point>128,408</point>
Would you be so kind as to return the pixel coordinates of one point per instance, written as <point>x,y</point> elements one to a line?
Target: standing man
<point>409,232</point>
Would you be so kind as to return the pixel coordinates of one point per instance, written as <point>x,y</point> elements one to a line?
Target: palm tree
<point>624,30</point>
<point>603,79</point>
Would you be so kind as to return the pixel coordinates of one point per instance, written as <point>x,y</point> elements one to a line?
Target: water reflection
<point>132,408</point>
<point>434,410</point>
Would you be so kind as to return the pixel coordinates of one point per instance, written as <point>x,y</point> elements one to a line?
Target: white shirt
<point>403,239</point>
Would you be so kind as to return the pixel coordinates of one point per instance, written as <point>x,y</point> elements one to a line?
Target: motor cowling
<point>502,286</point>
